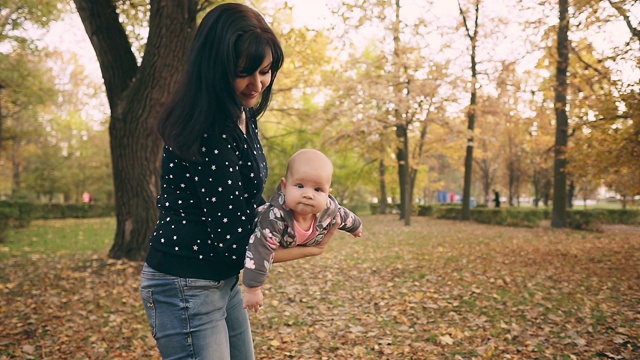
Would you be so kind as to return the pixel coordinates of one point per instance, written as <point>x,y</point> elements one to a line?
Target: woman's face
<point>249,87</point>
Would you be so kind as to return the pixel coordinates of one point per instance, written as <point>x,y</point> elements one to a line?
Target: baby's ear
<point>330,190</point>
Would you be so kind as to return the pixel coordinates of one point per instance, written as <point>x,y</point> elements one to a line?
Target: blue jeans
<point>195,318</point>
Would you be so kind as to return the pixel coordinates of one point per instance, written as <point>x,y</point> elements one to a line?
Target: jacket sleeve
<point>350,221</point>
<point>263,243</point>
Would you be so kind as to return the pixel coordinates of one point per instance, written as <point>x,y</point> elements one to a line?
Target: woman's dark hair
<point>232,40</point>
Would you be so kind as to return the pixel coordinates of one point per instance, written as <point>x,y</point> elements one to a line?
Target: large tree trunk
<point>559,212</point>
<point>136,96</point>
<point>471,113</point>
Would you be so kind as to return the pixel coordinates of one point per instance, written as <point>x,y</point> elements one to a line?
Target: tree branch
<point>635,32</point>
<point>111,44</point>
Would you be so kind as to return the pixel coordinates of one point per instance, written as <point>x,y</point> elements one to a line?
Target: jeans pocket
<point>149,308</point>
<point>200,283</point>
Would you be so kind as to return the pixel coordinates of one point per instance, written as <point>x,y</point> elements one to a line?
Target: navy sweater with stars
<point>207,208</point>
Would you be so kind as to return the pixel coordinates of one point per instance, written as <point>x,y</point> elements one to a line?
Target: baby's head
<point>307,182</point>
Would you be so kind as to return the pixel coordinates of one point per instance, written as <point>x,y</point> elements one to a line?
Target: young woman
<point>213,174</point>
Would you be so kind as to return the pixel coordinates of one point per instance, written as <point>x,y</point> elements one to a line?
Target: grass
<point>68,236</point>
<point>437,289</point>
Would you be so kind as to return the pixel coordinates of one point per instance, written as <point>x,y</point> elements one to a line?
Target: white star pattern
<point>233,170</point>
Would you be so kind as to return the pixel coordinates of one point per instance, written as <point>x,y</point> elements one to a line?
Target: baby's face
<point>306,188</point>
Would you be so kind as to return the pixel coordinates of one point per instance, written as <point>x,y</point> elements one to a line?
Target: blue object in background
<point>442,196</point>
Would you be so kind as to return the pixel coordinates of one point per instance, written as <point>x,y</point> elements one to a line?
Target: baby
<point>300,212</point>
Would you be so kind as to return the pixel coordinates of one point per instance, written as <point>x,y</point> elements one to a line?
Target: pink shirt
<point>303,236</point>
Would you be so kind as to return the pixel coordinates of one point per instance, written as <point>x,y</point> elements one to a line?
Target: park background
<point>397,93</point>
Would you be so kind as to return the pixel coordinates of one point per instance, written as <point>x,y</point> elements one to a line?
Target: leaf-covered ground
<point>435,290</point>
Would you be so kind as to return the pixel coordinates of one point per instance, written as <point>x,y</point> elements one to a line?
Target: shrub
<point>21,212</point>
<point>591,220</point>
<point>508,216</point>
<point>449,212</point>
<point>63,211</point>
<point>374,208</point>
<point>425,210</point>
<point>7,214</point>
<point>621,216</point>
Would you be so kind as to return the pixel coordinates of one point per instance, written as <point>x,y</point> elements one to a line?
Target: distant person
<point>496,198</point>
<point>300,213</point>
<point>87,198</point>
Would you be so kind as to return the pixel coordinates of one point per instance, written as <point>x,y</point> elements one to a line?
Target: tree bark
<point>402,139</point>
<point>136,96</point>
<point>402,156</point>
<point>471,113</point>
<point>559,212</point>
<point>382,169</point>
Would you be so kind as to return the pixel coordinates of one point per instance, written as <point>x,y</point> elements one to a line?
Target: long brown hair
<point>232,39</point>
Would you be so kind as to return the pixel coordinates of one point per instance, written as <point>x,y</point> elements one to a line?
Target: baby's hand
<point>357,233</point>
<point>253,299</point>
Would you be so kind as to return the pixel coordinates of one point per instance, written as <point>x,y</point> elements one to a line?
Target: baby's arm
<point>351,223</point>
<point>259,257</point>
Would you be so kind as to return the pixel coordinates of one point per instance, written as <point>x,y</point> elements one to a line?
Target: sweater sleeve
<point>263,243</point>
<point>350,221</point>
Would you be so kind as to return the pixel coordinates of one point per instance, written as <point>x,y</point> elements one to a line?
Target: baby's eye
<point>299,186</point>
<point>319,190</point>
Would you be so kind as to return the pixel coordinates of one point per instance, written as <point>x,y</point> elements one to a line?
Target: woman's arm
<point>299,252</point>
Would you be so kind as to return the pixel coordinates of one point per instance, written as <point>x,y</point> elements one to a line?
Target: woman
<point>213,174</point>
